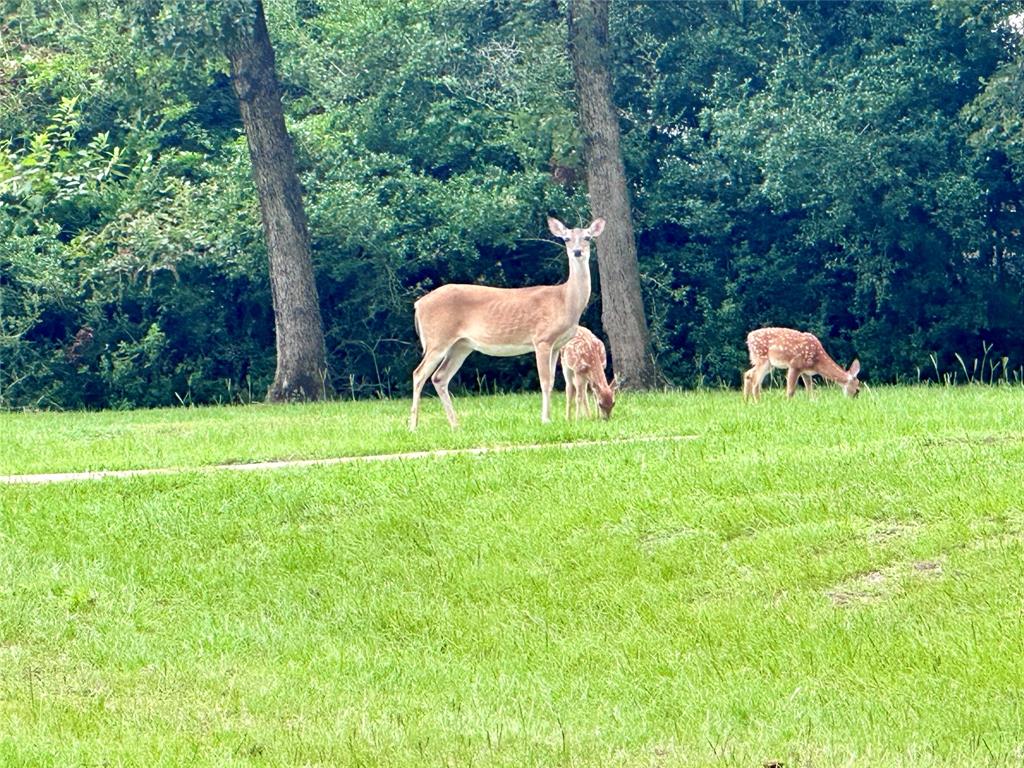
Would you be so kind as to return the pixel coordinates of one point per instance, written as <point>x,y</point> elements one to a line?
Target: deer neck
<point>602,388</point>
<point>597,378</point>
<point>831,370</point>
<point>577,287</point>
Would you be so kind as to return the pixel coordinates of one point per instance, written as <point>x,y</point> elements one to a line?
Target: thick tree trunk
<point>301,364</point>
<point>622,307</point>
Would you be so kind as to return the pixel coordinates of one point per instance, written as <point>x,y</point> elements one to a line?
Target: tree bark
<point>622,307</point>
<point>301,362</point>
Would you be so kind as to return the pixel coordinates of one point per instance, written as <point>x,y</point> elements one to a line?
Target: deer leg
<point>748,384</point>
<point>757,374</point>
<point>570,389</point>
<point>808,380</point>
<point>431,359</point>
<point>579,392</point>
<point>545,371</point>
<point>443,374</point>
<point>555,356</point>
<point>791,376</point>
<point>585,397</point>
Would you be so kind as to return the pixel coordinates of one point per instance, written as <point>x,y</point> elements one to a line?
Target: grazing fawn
<point>801,353</point>
<point>457,319</point>
<point>583,361</point>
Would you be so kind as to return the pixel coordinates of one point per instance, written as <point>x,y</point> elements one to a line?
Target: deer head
<point>577,241</point>
<point>851,387</point>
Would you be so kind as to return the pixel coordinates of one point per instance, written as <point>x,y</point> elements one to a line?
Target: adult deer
<point>457,319</point>
<point>801,353</point>
<point>583,361</point>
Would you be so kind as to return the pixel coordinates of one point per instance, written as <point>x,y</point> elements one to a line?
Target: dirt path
<point>65,477</point>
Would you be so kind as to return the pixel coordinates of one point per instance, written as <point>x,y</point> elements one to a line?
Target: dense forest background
<point>855,169</point>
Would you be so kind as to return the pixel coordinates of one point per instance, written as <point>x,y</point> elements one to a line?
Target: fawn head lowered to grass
<point>801,353</point>
<point>457,319</point>
<point>583,361</point>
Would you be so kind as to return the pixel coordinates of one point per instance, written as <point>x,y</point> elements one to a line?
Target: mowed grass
<point>815,582</point>
<point>193,437</point>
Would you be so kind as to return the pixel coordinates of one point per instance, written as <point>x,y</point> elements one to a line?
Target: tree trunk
<point>622,307</point>
<point>301,363</point>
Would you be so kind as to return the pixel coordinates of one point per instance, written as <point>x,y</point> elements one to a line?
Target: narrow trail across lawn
<point>65,477</point>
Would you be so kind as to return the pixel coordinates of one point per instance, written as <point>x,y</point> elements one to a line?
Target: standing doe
<point>583,360</point>
<point>801,353</point>
<point>456,319</point>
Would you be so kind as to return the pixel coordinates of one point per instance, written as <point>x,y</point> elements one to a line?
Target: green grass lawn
<point>816,582</point>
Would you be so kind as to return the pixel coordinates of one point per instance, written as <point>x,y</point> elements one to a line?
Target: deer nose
<point>577,253</point>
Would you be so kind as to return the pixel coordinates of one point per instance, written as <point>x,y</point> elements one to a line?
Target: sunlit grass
<point>190,437</point>
<point>193,437</point>
<point>818,582</point>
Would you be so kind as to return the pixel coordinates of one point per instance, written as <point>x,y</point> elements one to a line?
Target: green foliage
<point>827,182</point>
<point>105,270</point>
<point>854,169</point>
<point>429,161</point>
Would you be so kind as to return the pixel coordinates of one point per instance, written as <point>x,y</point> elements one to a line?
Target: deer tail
<point>416,322</point>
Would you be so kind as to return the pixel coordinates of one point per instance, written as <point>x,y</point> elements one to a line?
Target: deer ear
<point>854,368</point>
<point>557,228</point>
<point>596,227</point>
<point>615,383</point>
